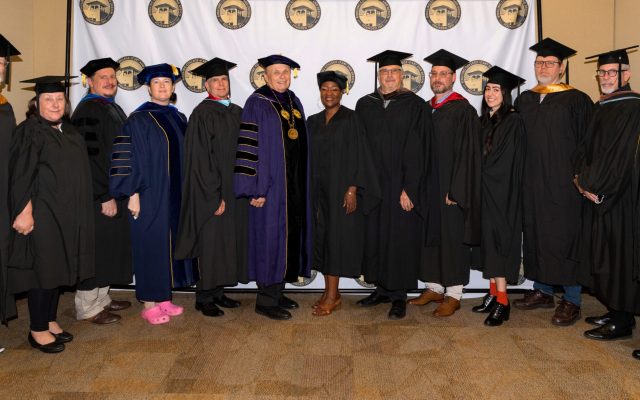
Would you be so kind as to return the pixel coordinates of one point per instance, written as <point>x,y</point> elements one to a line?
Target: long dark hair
<point>32,108</point>
<point>494,120</point>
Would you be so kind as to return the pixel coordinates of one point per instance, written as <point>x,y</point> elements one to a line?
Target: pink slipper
<point>171,309</point>
<point>155,316</point>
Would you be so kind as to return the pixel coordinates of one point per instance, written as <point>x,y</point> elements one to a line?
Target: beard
<point>440,88</point>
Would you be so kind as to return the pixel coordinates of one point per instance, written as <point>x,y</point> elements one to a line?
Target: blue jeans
<point>571,292</point>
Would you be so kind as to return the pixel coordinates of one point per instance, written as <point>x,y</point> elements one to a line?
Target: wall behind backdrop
<point>37,28</point>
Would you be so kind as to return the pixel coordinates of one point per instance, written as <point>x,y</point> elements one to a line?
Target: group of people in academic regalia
<point>396,191</point>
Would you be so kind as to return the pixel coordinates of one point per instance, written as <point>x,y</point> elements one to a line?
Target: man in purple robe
<point>272,170</point>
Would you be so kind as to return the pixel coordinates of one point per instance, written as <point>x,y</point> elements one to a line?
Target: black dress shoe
<point>398,309</point>
<point>599,320</point>
<point>373,300</point>
<point>609,331</point>
<point>274,312</point>
<point>498,315</point>
<point>287,303</point>
<point>209,309</point>
<point>636,354</point>
<point>53,347</point>
<point>488,301</point>
<point>226,302</point>
<point>62,337</point>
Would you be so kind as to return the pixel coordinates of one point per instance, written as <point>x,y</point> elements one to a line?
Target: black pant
<point>398,294</point>
<point>43,307</point>
<point>622,319</point>
<point>208,296</point>
<point>269,296</point>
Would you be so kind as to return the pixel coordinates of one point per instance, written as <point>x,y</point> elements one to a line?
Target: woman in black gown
<point>343,190</point>
<point>503,139</point>
<point>51,206</point>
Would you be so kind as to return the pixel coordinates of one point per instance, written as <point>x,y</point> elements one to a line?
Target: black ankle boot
<point>498,314</point>
<point>488,301</point>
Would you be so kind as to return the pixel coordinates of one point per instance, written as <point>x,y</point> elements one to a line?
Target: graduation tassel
<point>84,80</point>
<point>295,73</point>
<point>347,88</point>
<point>567,72</point>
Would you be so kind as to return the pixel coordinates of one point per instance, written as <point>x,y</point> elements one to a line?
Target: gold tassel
<point>84,80</point>
<point>174,70</point>
<point>295,73</point>
<point>347,89</point>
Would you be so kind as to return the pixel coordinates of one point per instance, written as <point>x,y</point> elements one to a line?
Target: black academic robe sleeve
<point>97,126</point>
<point>502,181</point>
<point>465,183</point>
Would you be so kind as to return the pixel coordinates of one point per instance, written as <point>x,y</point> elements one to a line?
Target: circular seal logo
<point>360,281</point>
<point>512,13</point>
<point>96,12</point>
<point>342,67</point>
<point>442,14</point>
<point>302,14</point>
<point>256,76</point>
<point>130,67</point>
<point>234,14</point>
<point>165,13</point>
<point>193,82</point>
<point>302,281</point>
<point>412,75</point>
<point>373,14</point>
<point>471,76</point>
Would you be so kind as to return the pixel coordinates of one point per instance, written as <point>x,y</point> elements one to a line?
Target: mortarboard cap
<point>158,70</point>
<point>504,78</point>
<point>389,57</point>
<point>7,49</point>
<point>214,67</point>
<point>333,76</point>
<point>549,47</point>
<point>618,56</point>
<point>277,59</point>
<point>95,65</point>
<point>447,59</point>
<point>48,83</point>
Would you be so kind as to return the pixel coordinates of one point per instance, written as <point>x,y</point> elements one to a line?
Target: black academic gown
<point>396,130</point>
<point>99,122</point>
<point>552,205</point>
<point>50,168</point>
<point>502,196</point>
<point>7,125</point>
<point>456,169</point>
<point>610,171</point>
<point>219,242</point>
<point>341,159</point>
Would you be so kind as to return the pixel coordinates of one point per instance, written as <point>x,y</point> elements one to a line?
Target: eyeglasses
<point>441,74</point>
<point>389,71</point>
<point>5,63</point>
<point>611,73</point>
<point>548,64</point>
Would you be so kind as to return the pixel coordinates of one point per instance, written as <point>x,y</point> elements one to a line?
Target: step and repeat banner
<point>320,35</point>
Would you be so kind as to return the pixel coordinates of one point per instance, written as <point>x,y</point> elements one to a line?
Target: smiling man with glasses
<point>453,189</point>
<point>556,117</point>
<point>609,179</point>
<point>396,126</point>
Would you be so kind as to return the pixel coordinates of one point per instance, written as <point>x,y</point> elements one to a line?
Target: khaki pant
<point>89,303</point>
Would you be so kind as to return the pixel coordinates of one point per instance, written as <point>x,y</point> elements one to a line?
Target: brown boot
<point>427,297</point>
<point>566,314</point>
<point>447,308</point>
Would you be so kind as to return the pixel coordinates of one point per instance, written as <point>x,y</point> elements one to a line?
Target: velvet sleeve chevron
<point>125,176</point>
<point>250,171</point>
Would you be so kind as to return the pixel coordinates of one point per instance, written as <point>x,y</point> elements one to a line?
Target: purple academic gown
<point>147,159</point>
<point>269,164</point>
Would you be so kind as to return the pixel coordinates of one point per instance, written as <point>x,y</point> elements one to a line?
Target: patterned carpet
<point>353,354</point>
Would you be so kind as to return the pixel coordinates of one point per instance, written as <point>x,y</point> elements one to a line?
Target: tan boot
<point>427,297</point>
<point>447,308</point>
